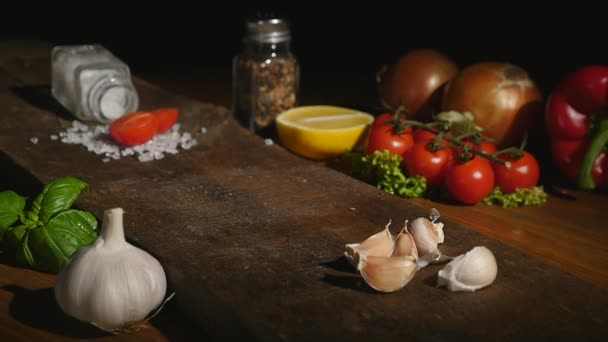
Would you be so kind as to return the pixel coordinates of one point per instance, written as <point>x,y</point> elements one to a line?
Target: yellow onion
<point>415,81</point>
<point>502,97</point>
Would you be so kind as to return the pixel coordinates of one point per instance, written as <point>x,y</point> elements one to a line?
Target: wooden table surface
<point>567,232</point>
<point>262,280</point>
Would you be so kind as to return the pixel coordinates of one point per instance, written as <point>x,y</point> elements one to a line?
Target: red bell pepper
<point>577,123</point>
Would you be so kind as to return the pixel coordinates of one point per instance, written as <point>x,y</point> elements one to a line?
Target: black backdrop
<point>547,40</point>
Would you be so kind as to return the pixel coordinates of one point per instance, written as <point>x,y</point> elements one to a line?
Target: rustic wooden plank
<point>567,231</point>
<point>27,295</point>
<point>29,313</point>
<point>251,237</point>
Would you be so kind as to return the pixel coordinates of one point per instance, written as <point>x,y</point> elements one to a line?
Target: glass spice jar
<point>92,83</point>
<point>265,75</point>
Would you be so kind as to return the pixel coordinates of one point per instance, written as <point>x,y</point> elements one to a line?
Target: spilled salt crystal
<point>98,140</point>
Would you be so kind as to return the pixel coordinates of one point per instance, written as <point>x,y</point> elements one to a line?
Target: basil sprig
<point>46,235</point>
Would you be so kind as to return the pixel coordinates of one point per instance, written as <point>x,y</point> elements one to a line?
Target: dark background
<point>340,45</point>
<point>349,40</point>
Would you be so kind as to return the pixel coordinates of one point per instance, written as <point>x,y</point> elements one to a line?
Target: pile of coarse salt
<point>99,141</point>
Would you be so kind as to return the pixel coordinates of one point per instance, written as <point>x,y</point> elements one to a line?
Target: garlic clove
<point>379,244</point>
<point>427,235</point>
<point>404,244</point>
<point>387,274</point>
<point>471,271</point>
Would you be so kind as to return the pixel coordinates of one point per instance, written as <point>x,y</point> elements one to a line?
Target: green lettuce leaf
<point>521,197</point>
<point>382,170</point>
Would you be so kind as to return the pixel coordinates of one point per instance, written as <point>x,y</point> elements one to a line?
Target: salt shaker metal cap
<point>275,30</point>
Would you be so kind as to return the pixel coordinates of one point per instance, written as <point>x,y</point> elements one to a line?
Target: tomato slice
<point>134,128</point>
<point>167,117</point>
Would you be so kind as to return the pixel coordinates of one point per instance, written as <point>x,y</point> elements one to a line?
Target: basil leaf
<point>11,206</point>
<point>58,195</point>
<point>24,255</point>
<point>12,238</point>
<point>54,243</point>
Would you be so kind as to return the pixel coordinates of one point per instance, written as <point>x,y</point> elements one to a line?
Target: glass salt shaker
<point>92,83</point>
<point>265,75</point>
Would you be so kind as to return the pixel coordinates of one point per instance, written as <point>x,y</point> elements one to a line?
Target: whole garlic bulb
<point>471,271</point>
<point>111,283</point>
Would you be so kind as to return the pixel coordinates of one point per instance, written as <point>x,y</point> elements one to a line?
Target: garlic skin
<point>111,283</point>
<point>387,274</point>
<point>379,244</point>
<point>427,235</point>
<point>405,244</point>
<point>469,272</point>
<point>386,263</point>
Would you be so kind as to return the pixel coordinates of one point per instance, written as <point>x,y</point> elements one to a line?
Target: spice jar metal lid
<point>274,30</point>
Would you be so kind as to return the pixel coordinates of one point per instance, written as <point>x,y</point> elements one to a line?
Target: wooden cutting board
<point>252,236</point>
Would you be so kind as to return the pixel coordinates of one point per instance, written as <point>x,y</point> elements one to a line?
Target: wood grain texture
<point>252,236</point>
<point>567,232</point>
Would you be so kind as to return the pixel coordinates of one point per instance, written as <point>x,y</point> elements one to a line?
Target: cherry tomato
<point>134,128</point>
<point>470,182</point>
<point>432,165</point>
<point>383,137</point>
<point>486,147</point>
<point>423,136</point>
<point>523,173</point>
<point>381,119</point>
<point>167,117</point>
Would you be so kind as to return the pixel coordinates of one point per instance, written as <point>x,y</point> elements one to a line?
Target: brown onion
<point>501,96</point>
<point>415,81</point>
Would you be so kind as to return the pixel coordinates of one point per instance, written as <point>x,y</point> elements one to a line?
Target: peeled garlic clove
<point>387,274</point>
<point>470,271</point>
<point>379,244</point>
<point>427,235</point>
<point>404,244</point>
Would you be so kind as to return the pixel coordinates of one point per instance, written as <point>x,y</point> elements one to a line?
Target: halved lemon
<point>322,132</point>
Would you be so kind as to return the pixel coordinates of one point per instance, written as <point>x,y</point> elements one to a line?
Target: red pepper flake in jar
<point>265,75</point>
